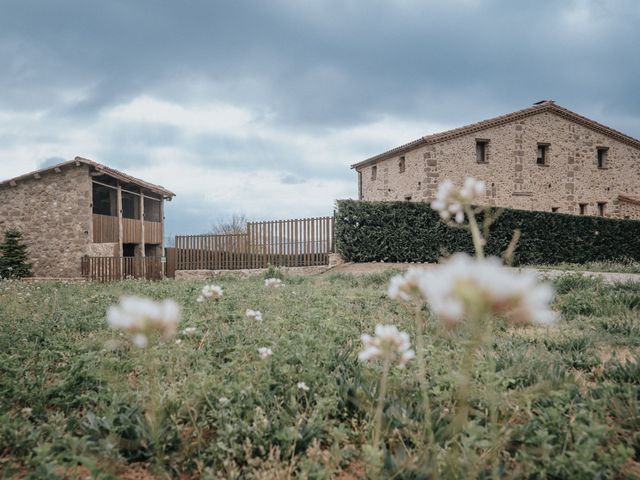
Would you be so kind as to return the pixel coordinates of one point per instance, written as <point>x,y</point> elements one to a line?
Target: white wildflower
<point>405,287</point>
<point>140,340</point>
<point>264,352</point>
<point>273,283</point>
<point>463,287</point>
<point>140,317</point>
<point>188,331</point>
<point>387,344</point>
<point>178,342</point>
<point>302,386</point>
<point>450,201</point>
<point>210,292</point>
<point>253,314</point>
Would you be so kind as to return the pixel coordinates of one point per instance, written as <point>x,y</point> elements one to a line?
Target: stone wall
<point>54,215</point>
<point>570,177</point>
<point>103,250</point>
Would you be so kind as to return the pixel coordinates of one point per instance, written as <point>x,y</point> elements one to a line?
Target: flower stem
<point>377,422</point>
<point>478,242</point>
<point>423,380</point>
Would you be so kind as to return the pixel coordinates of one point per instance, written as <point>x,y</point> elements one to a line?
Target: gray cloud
<point>305,71</point>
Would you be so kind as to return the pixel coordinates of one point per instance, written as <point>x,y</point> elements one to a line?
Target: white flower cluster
<point>141,317</point>
<point>387,344</point>
<point>302,386</point>
<point>450,201</point>
<point>273,283</point>
<point>265,352</point>
<point>210,292</point>
<point>253,314</point>
<point>463,286</point>
<point>406,287</point>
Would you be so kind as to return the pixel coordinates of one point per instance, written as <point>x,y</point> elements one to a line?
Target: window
<point>401,165</point>
<point>152,210</point>
<point>481,151</point>
<point>555,209</point>
<point>602,157</point>
<point>543,153</point>
<point>104,200</point>
<point>583,208</point>
<point>374,172</point>
<point>130,205</point>
<point>601,206</point>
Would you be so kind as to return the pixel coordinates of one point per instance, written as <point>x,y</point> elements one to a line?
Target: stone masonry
<point>570,176</point>
<point>54,210</point>
<point>53,213</point>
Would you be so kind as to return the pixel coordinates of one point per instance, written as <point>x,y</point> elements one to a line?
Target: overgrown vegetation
<point>13,256</point>
<point>413,232</point>
<point>73,393</point>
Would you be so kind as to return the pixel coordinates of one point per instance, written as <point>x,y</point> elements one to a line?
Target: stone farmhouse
<point>79,208</point>
<point>544,158</point>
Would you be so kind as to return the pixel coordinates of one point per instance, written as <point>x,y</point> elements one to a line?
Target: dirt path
<point>375,267</point>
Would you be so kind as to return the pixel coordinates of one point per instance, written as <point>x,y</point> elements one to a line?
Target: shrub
<point>13,256</point>
<point>413,232</point>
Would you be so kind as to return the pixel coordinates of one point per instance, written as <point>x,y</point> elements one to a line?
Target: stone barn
<point>82,208</point>
<point>544,157</point>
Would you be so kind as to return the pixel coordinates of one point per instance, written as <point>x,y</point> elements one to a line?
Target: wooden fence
<point>281,243</point>
<point>107,269</point>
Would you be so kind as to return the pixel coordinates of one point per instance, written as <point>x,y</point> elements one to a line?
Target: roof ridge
<point>538,107</point>
<point>97,166</point>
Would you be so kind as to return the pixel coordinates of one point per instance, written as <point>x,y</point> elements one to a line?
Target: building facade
<point>544,157</point>
<point>80,208</point>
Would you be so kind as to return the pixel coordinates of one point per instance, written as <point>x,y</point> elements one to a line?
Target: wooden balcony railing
<point>105,230</point>
<point>131,231</point>
<point>152,232</point>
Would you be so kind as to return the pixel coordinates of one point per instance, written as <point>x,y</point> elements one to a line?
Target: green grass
<point>567,398</point>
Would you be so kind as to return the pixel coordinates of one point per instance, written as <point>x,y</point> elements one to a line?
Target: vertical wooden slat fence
<point>108,269</point>
<point>281,243</point>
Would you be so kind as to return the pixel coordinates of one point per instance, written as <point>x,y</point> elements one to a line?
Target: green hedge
<point>413,232</point>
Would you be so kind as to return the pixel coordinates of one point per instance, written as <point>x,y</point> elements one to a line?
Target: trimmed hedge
<point>413,232</point>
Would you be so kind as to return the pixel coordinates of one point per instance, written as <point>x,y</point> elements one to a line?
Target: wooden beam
<point>162,252</point>
<point>119,206</point>
<point>142,225</point>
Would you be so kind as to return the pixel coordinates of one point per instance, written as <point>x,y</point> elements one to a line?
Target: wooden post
<point>119,206</point>
<point>142,242</point>
<point>162,236</point>
<point>143,252</point>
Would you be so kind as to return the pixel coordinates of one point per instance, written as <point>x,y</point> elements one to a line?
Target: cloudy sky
<point>261,106</point>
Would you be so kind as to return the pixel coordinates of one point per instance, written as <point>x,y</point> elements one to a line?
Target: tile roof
<point>537,108</point>
<point>99,168</point>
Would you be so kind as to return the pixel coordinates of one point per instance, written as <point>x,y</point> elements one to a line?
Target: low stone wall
<point>103,250</point>
<point>203,274</point>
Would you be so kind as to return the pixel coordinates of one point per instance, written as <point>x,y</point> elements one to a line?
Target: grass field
<point>76,399</point>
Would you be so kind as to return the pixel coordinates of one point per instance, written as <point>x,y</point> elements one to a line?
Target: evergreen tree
<point>13,256</point>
